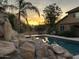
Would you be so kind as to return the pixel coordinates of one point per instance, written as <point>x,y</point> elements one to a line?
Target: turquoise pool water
<point>71,46</point>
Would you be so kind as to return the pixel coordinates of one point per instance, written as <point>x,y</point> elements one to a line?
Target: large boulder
<point>41,49</point>
<point>27,50</point>
<point>61,52</point>
<point>51,54</point>
<point>6,48</point>
<point>57,49</point>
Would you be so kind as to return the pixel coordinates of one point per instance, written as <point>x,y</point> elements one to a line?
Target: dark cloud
<point>64,4</point>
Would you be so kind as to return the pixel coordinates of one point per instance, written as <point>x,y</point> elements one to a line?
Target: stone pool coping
<point>55,36</point>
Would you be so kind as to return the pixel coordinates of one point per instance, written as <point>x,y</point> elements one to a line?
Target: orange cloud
<point>34,20</point>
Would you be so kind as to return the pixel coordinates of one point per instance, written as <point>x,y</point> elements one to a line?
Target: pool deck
<point>55,36</point>
<point>76,57</point>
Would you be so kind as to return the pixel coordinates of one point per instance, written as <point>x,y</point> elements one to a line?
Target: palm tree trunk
<point>29,27</point>
<point>19,17</point>
<point>19,21</point>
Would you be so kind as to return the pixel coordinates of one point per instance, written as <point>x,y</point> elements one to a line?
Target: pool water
<point>71,46</point>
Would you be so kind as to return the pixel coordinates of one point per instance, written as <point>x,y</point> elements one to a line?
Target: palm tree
<point>23,6</point>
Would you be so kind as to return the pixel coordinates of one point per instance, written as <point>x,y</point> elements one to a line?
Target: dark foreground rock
<point>33,49</point>
<point>6,48</point>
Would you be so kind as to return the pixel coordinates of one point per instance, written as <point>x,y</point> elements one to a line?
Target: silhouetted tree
<point>51,13</point>
<point>23,7</point>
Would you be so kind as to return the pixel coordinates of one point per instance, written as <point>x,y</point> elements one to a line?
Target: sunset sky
<point>65,5</point>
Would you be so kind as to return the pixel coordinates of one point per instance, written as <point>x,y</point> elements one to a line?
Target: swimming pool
<point>71,46</point>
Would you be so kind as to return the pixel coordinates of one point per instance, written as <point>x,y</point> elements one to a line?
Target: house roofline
<point>73,10</point>
<point>62,19</point>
